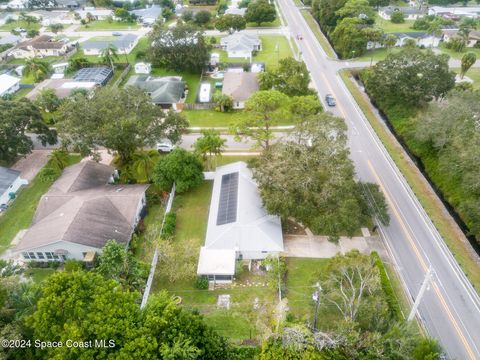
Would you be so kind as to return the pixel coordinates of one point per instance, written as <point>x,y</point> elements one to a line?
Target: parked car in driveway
<point>330,100</point>
<point>165,146</point>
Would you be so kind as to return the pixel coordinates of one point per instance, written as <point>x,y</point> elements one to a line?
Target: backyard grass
<point>241,320</point>
<point>302,274</point>
<point>20,213</point>
<point>274,48</point>
<point>389,27</point>
<point>39,275</point>
<point>105,25</point>
<point>318,33</point>
<point>428,199</point>
<point>20,24</point>
<point>21,93</point>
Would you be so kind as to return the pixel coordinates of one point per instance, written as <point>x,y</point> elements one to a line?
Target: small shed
<point>204,94</point>
<point>218,265</point>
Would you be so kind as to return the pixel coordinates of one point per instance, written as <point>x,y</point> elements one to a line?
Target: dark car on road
<point>330,100</point>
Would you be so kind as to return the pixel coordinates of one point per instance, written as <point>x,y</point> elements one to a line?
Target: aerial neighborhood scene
<point>240,179</point>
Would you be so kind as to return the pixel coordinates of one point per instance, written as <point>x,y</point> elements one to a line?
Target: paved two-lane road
<point>450,309</point>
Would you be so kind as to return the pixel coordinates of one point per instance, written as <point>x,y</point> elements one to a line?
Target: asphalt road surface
<point>450,308</point>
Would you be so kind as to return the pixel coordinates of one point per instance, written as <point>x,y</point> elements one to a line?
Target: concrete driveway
<point>319,246</point>
<point>30,165</point>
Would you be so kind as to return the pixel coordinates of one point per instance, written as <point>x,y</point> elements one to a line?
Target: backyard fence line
<point>122,76</point>
<point>153,266</point>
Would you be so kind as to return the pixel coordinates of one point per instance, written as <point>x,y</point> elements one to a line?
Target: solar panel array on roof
<point>99,75</point>
<point>227,205</point>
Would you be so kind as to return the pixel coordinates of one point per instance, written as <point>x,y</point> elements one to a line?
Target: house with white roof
<point>10,182</point>
<point>124,45</point>
<point>149,15</point>
<point>410,13</point>
<point>8,84</point>
<point>241,45</point>
<point>234,10</point>
<point>239,227</point>
<point>98,14</point>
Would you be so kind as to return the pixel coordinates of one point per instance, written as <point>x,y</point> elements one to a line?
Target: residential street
<point>450,309</point>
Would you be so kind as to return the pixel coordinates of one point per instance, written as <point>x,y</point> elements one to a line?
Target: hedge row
<point>387,287</point>
<point>169,225</point>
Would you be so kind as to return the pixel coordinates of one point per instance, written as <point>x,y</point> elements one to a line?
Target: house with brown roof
<point>239,86</point>
<point>80,212</point>
<point>40,46</point>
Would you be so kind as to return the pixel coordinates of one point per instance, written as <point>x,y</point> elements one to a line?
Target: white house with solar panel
<point>239,228</point>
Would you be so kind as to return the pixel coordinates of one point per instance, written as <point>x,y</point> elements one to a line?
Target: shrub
<point>397,17</point>
<point>169,225</point>
<point>391,299</point>
<point>72,265</point>
<point>201,282</point>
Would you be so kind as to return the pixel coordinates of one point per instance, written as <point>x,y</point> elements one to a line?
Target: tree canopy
<point>410,77</point>
<point>181,48</point>
<point>310,178</point>
<point>230,23</point>
<point>83,306</point>
<point>260,11</point>
<point>121,120</point>
<point>291,78</point>
<point>180,167</point>
<point>17,119</point>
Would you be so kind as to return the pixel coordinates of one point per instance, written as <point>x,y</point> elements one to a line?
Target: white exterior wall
<point>429,42</point>
<point>75,251</point>
<point>4,198</point>
<point>255,255</point>
<point>12,89</point>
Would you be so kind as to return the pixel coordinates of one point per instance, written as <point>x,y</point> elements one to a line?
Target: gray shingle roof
<point>162,90</point>
<point>121,42</point>
<point>240,86</point>
<point>240,41</point>
<point>80,207</point>
<point>7,177</point>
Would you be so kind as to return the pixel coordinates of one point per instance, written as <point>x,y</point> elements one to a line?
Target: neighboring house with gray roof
<point>80,212</point>
<point>239,227</point>
<point>149,15</point>
<point>241,45</point>
<point>409,12</point>
<point>10,182</point>
<point>168,91</point>
<point>239,86</point>
<point>124,45</point>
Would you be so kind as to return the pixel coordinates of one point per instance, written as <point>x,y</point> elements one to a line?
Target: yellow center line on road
<point>403,226</point>
<point>422,263</point>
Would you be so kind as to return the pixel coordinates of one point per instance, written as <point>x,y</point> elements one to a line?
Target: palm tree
<point>37,68</point>
<point>467,61</point>
<point>389,41</point>
<point>143,165</point>
<point>59,159</point>
<point>109,53</point>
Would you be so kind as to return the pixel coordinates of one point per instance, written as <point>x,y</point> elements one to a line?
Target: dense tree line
<point>413,88</point>
<point>349,24</point>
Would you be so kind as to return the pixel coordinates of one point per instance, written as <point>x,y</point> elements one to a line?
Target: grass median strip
<point>428,199</point>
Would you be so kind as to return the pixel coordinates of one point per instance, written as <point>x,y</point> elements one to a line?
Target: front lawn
<point>241,320</point>
<point>20,213</point>
<point>458,55</point>
<point>106,25</point>
<point>212,118</point>
<point>274,23</point>
<point>389,27</point>
<point>20,24</point>
<point>274,48</point>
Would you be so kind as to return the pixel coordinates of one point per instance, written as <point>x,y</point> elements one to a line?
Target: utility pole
<point>316,298</point>
<point>425,286</point>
